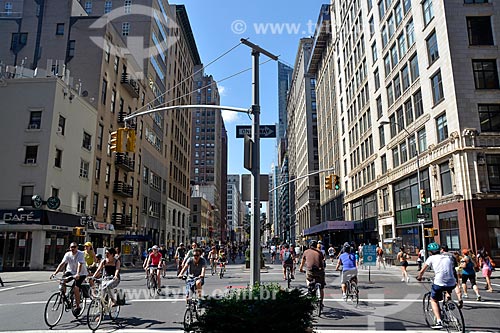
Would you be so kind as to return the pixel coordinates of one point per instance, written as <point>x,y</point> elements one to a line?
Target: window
<point>422,140</point>
<point>383,162</point>
<point>428,11</point>
<point>395,157</point>
<point>60,29</point>
<point>393,124</point>
<point>379,107</point>
<point>381,134</point>
<point>408,112</point>
<point>397,86</point>
<point>125,28</point>
<point>26,193</point>
<point>432,48</point>
<point>87,141</point>
<point>104,89</point>
<point>127,6</point>
<point>381,9</point>
<point>398,10</point>
<point>390,94</point>
<point>35,120</point>
<point>392,27</point>
<point>105,205</point>
<point>95,203</point>
<point>444,171</point>
<point>372,27</point>
<point>412,146</point>
<point>84,169</point>
<point>387,65</point>
<point>113,100</point>
<point>108,6</point>
<point>384,36</point>
<point>18,41</point>
<point>82,204</point>
<point>493,163</point>
<point>107,50</point>
<point>485,74</point>
<point>475,1</point>
<point>489,117</point>
<point>442,127</point>
<point>116,64</point>
<point>479,29</point>
<point>449,230</point>
<point>407,5</point>
<point>71,48</point>
<point>58,159</point>
<point>402,45</point>
<point>108,173</point>
<point>31,155</point>
<point>55,192</point>
<point>61,125</point>
<point>369,4</point>
<point>374,52</point>
<point>8,8</point>
<point>88,7</point>
<point>404,152</point>
<point>414,71</point>
<point>410,36</point>
<point>97,169</point>
<point>377,79</point>
<point>418,105</point>
<point>437,88</point>
<point>405,77</point>
<point>394,55</point>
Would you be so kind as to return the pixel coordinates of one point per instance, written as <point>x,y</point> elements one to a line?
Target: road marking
<point>24,285</point>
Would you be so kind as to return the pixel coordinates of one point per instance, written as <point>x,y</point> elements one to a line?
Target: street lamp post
<point>417,153</point>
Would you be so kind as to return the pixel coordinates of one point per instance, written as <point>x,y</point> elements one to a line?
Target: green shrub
<point>264,307</point>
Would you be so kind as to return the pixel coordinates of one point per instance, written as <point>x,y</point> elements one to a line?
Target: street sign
<point>423,216</point>
<point>266,131</point>
<point>369,255</point>
<point>421,220</point>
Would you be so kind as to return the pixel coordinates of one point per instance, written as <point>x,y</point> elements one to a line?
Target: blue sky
<point>218,25</point>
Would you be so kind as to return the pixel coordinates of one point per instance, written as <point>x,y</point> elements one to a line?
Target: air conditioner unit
<point>31,161</point>
<point>33,126</point>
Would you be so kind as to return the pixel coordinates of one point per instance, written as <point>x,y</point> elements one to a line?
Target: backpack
<point>287,257</point>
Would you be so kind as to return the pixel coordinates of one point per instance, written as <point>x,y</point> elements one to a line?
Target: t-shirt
<point>331,251</point>
<point>348,261</point>
<point>89,257</point>
<point>155,259</point>
<point>444,269</point>
<point>72,262</point>
<point>195,269</point>
<point>314,258</point>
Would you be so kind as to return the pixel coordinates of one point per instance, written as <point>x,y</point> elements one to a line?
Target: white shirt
<point>444,269</point>
<point>72,262</point>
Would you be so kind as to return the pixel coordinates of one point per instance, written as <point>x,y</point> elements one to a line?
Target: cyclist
<point>111,267</point>
<point>74,260</point>
<point>190,253</point>
<point>331,252</point>
<point>90,257</point>
<point>164,254</point>
<point>154,262</point>
<point>196,267</point>
<point>222,259</point>
<point>313,259</point>
<point>349,268</point>
<point>273,254</point>
<point>287,258</point>
<point>213,257</point>
<point>180,253</point>
<point>444,280</point>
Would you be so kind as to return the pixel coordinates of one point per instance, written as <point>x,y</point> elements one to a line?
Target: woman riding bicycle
<point>111,267</point>
<point>349,268</point>
<point>213,257</point>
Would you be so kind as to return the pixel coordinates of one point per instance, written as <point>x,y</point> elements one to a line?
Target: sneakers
<point>408,279</point>
<point>438,325</point>
<point>293,278</point>
<point>344,296</point>
<point>478,298</point>
<point>403,280</point>
<point>466,296</point>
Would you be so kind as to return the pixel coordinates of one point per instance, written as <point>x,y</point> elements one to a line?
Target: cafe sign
<point>25,217</point>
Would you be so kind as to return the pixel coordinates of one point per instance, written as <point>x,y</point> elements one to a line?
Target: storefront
<point>34,239</point>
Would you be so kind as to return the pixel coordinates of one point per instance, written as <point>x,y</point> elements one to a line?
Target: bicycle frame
<point>101,304</point>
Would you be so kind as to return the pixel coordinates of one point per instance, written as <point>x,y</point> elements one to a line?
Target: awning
<point>137,238</point>
<point>329,226</point>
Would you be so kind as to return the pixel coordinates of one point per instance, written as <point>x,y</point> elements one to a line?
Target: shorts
<point>437,292</point>
<point>190,285</point>
<point>470,277</point>
<point>486,272</point>
<point>288,264</point>
<point>78,282</point>
<point>404,263</point>
<point>316,276</point>
<point>348,274</point>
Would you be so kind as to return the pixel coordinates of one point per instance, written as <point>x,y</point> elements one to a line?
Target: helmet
<point>320,242</point>
<point>150,249</point>
<point>88,244</point>
<point>181,244</point>
<point>155,247</point>
<point>433,247</point>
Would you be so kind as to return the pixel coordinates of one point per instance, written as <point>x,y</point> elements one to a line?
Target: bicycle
<point>451,314</point>
<point>288,276</point>
<point>213,266</point>
<point>152,282</point>
<point>60,301</point>
<point>222,268</point>
<point>193,311</point>
<point>314,290</point>
<point>100,305</point>
<point>352,291</point>
<point>164,267</point>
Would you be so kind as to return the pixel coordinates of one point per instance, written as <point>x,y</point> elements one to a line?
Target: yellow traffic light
<point>118,140</point>
<point>336,182</point>
<point>78,231</point>
<point>130,141</point>
<point>329,182</point>
<point>422,196</point>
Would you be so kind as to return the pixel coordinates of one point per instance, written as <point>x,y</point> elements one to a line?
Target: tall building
<point>234,223</point>
<point>429,70</point>
<point>302,138</point>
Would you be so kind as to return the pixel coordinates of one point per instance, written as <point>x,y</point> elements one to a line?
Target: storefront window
<point>493,218</point>
<point>410,238</point>
<point>406,198</point>
<point>56,244</point>
<point>448,229</point>
<point>15,249</point>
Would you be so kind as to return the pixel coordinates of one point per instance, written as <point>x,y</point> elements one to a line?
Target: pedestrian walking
<point>380,257</point>
<point>420,259</point>
<point>469,267</point>
<point>485,263</point>
<point>403,261</point>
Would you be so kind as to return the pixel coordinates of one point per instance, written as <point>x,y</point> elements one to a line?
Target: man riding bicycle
<point>287,258</point>
<point>180,253</point>
<point>222,258</point>
<point>195,266</point>
<point>164,253</point>
<point>313,260</point>
<point>445,278</point>
<point>349,268</point>
<point>74,260</point>
<point>154,263</point>
<point>213,257</point>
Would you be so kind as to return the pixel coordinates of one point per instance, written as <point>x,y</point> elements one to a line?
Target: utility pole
<point>255,217</point>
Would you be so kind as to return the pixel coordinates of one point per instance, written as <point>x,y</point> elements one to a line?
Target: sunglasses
<point>72,247</point>
<point>196,255</point>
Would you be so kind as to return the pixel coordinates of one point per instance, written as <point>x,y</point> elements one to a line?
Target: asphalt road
<point>386,303</point>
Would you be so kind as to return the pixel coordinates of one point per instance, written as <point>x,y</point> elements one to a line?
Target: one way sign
<point>266,131</point>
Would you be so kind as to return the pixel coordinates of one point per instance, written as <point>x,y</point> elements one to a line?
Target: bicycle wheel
<point>83,304</point>
<point>54,310</point>
<point>428,314</point>
<point>152,285</point>
<point>188,318</point>
<point>95,314</point>
<point>354,293</point>
<point>114,311</point>
<point>453,318</point>
<point>320,302</point>
<point>288,277</point>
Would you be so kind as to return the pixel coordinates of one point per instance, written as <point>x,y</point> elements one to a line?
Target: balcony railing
<point>121,220</point>
<point>123,189</point>
<point>124,162</point>
<point>131,85</point>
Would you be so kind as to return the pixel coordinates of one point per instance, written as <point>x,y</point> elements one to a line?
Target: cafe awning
<point>329,226</point>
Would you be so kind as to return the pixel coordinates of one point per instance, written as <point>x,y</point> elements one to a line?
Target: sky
<point>274,25</point>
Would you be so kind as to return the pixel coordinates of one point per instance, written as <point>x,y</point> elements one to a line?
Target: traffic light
<point>130,141</point>
<point>422,196</point>
<point>329,182</point>
<point>336,182</point>
<point>434,231</point>
<point>78,231</point>
<point>428,232</point>
<point>118,140</point>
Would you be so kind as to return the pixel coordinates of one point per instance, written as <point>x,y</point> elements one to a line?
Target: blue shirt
<point>348,261</point>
